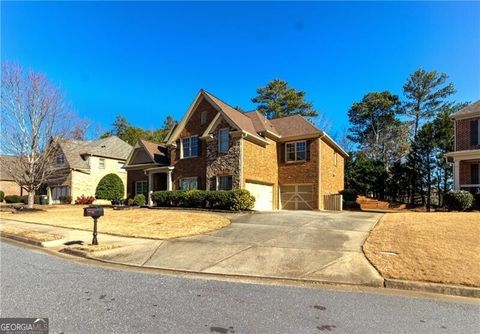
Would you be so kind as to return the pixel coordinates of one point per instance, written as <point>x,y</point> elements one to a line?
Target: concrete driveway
<point>308,245</point>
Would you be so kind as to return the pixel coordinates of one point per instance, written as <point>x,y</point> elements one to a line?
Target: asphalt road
<point>82,298</point>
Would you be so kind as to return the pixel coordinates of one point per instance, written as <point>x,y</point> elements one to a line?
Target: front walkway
<point>307,245</point>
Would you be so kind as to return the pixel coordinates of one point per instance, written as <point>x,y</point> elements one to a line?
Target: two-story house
<point>80,165</point>
<point>466,157</point>
<point>286,163</point>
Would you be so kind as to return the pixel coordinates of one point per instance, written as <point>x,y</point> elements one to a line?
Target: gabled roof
<point>295,125</point>
<point>470,110</point>
<point>6,160</point>
<point>76,151</point>
<point>156,151</point>
<point>260,123</point>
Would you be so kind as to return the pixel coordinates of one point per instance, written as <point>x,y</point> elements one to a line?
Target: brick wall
<point>300,172</point>
<point>260,165</point>
<point>133,176</point>
<point>465,171</point>
<point>10,188</point>
<point>193,167</point>
<point>332,176</point>
<point>463,134</point>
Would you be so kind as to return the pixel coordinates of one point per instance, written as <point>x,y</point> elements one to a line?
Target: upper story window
<point>188,183</point>
<point>190,147</point>
<point>101,163</point>
<point>296,151</point>
<point>60,159</point>
<point>223,140</point>
<point>475,132</point>
<point>203,117</point>
<point>121,167</point>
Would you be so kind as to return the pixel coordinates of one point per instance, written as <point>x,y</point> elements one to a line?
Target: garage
<point>296,196</point>
<point>263,195</point>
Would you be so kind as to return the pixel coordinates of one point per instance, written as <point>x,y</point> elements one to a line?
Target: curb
<point>22,239</point>
<point>445,289</point>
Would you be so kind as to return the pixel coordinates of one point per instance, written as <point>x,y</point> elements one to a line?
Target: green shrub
<point>110,188</point>
<point>476,198</point>
<point>458,200</point>
<point>349,195</point>
<point>36,199</point>
<point>350,205</point>
<point>139,200</point>
<point>130,202</point>
<point>234,200</point>
<point>13,199</point>
<point>65,199</point>
<point>2,196</point>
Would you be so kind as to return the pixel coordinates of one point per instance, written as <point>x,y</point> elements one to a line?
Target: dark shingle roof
<point>4,173</point>
<point>295,125</point>
<point>470,109</point>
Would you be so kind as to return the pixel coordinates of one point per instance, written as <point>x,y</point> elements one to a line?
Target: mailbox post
<point>95,212</point>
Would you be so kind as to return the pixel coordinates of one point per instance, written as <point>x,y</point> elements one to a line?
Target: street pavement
<point>79,297</point>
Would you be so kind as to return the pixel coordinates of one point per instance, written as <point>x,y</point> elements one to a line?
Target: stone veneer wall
<point>223,164</point>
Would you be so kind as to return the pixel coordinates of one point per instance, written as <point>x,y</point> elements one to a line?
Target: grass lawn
<point>144,223</point>
<point>431,247</point>
<point>35,235</point>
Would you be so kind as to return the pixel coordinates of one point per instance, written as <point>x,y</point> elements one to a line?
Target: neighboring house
<point>7,182</point>
<point>466,158</point>
<point>81,164</point>
<point>286,163</point>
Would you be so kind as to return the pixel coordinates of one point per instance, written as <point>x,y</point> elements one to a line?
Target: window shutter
<point>474,174</point>
<point>229,182</point>
<point>282,152</point>
<point>199,145</point>
<point>213,183</point>
<point>474,133</point>
<point>307,148</point>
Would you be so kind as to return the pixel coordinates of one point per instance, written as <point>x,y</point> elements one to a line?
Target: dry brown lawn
<point>431,247</point>
<point>35,235</point>
<point>95,248</point>
<point>142,223</point>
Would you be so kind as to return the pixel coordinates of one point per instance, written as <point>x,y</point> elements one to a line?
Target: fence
<point>333,202</point>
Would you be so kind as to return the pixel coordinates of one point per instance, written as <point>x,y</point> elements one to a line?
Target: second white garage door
<point>263,195</point>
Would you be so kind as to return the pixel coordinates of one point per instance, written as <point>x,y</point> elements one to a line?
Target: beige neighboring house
<point>7,183</point>
<point>81,165</point>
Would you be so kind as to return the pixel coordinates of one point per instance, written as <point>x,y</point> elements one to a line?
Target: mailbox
<point>93,211</point>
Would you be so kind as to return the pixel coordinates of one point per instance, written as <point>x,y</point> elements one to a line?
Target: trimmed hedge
<point>349,195</point>
<point>110,188</point>
<point>233,200</point>
<point>458,200</point>
<point>350,205</point>
<point>2,196</point>
<point>139,200</point>
<point>36,199</point>
<point>13,199</point>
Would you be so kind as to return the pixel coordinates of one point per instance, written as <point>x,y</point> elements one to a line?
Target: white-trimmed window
<point>203,117</point>
<point>60,159</point>
<point>225,182</point>
<point>223,140</point>
<point>188,183</point>
<point>141,187</point>
<point>121,167</point>
<point>190,147</point>
<point>101,163</point>
<point>296,151</point>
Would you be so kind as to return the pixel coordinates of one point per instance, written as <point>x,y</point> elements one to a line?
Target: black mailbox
<point>93,211</point>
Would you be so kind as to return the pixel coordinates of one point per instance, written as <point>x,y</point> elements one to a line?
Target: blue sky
<point>147,60</point>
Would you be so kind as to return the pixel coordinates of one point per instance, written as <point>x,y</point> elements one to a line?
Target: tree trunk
<point>31,199</point>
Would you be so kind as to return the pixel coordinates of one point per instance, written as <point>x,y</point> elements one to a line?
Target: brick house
<point>286,163</point>
<point>7,182</point>
<point>466,157</point>
<point>81,164</point>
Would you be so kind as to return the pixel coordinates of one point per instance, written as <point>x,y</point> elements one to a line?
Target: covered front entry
<point>263,195</point>
<point>296,197</point>
<point>159,178</point>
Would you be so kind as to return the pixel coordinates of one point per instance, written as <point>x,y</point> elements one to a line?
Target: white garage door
<point>263,195</point>
<point>296,197</point>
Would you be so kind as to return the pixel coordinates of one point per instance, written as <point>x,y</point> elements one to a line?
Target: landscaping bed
<point>430,247</point>
<point>142,223</point>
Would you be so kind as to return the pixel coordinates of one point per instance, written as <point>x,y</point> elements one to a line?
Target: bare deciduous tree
<point>34,114</point>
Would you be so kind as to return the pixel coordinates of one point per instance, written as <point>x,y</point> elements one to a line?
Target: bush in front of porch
<point>233,200</point>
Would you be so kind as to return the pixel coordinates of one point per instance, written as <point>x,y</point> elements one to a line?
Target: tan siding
<point>260,165</point>
<point>332,177</point>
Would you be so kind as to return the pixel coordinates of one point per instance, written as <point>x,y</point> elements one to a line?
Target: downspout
<point>242,181</point>
<point>320,190</point>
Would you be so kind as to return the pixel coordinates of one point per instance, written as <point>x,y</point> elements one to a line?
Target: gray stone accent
<point>223,163</point>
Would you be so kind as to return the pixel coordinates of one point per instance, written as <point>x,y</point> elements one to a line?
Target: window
<point>121,167</point>
<point>203,117</point>
<point>188,183</point>
<point>190,147</point>
<point>58,192</point>
<point>474,174</point>
<point>101,163</point>
<point>335,158</point>
<point>296,151</point>
<point>60,159</point>
<point>225,182</point>
<point>475,132</point>
<point>141,187</point>
<point>223,140</point>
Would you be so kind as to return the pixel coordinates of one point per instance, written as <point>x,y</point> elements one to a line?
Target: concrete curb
<point>22,239</point>
<point>455,290</point>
